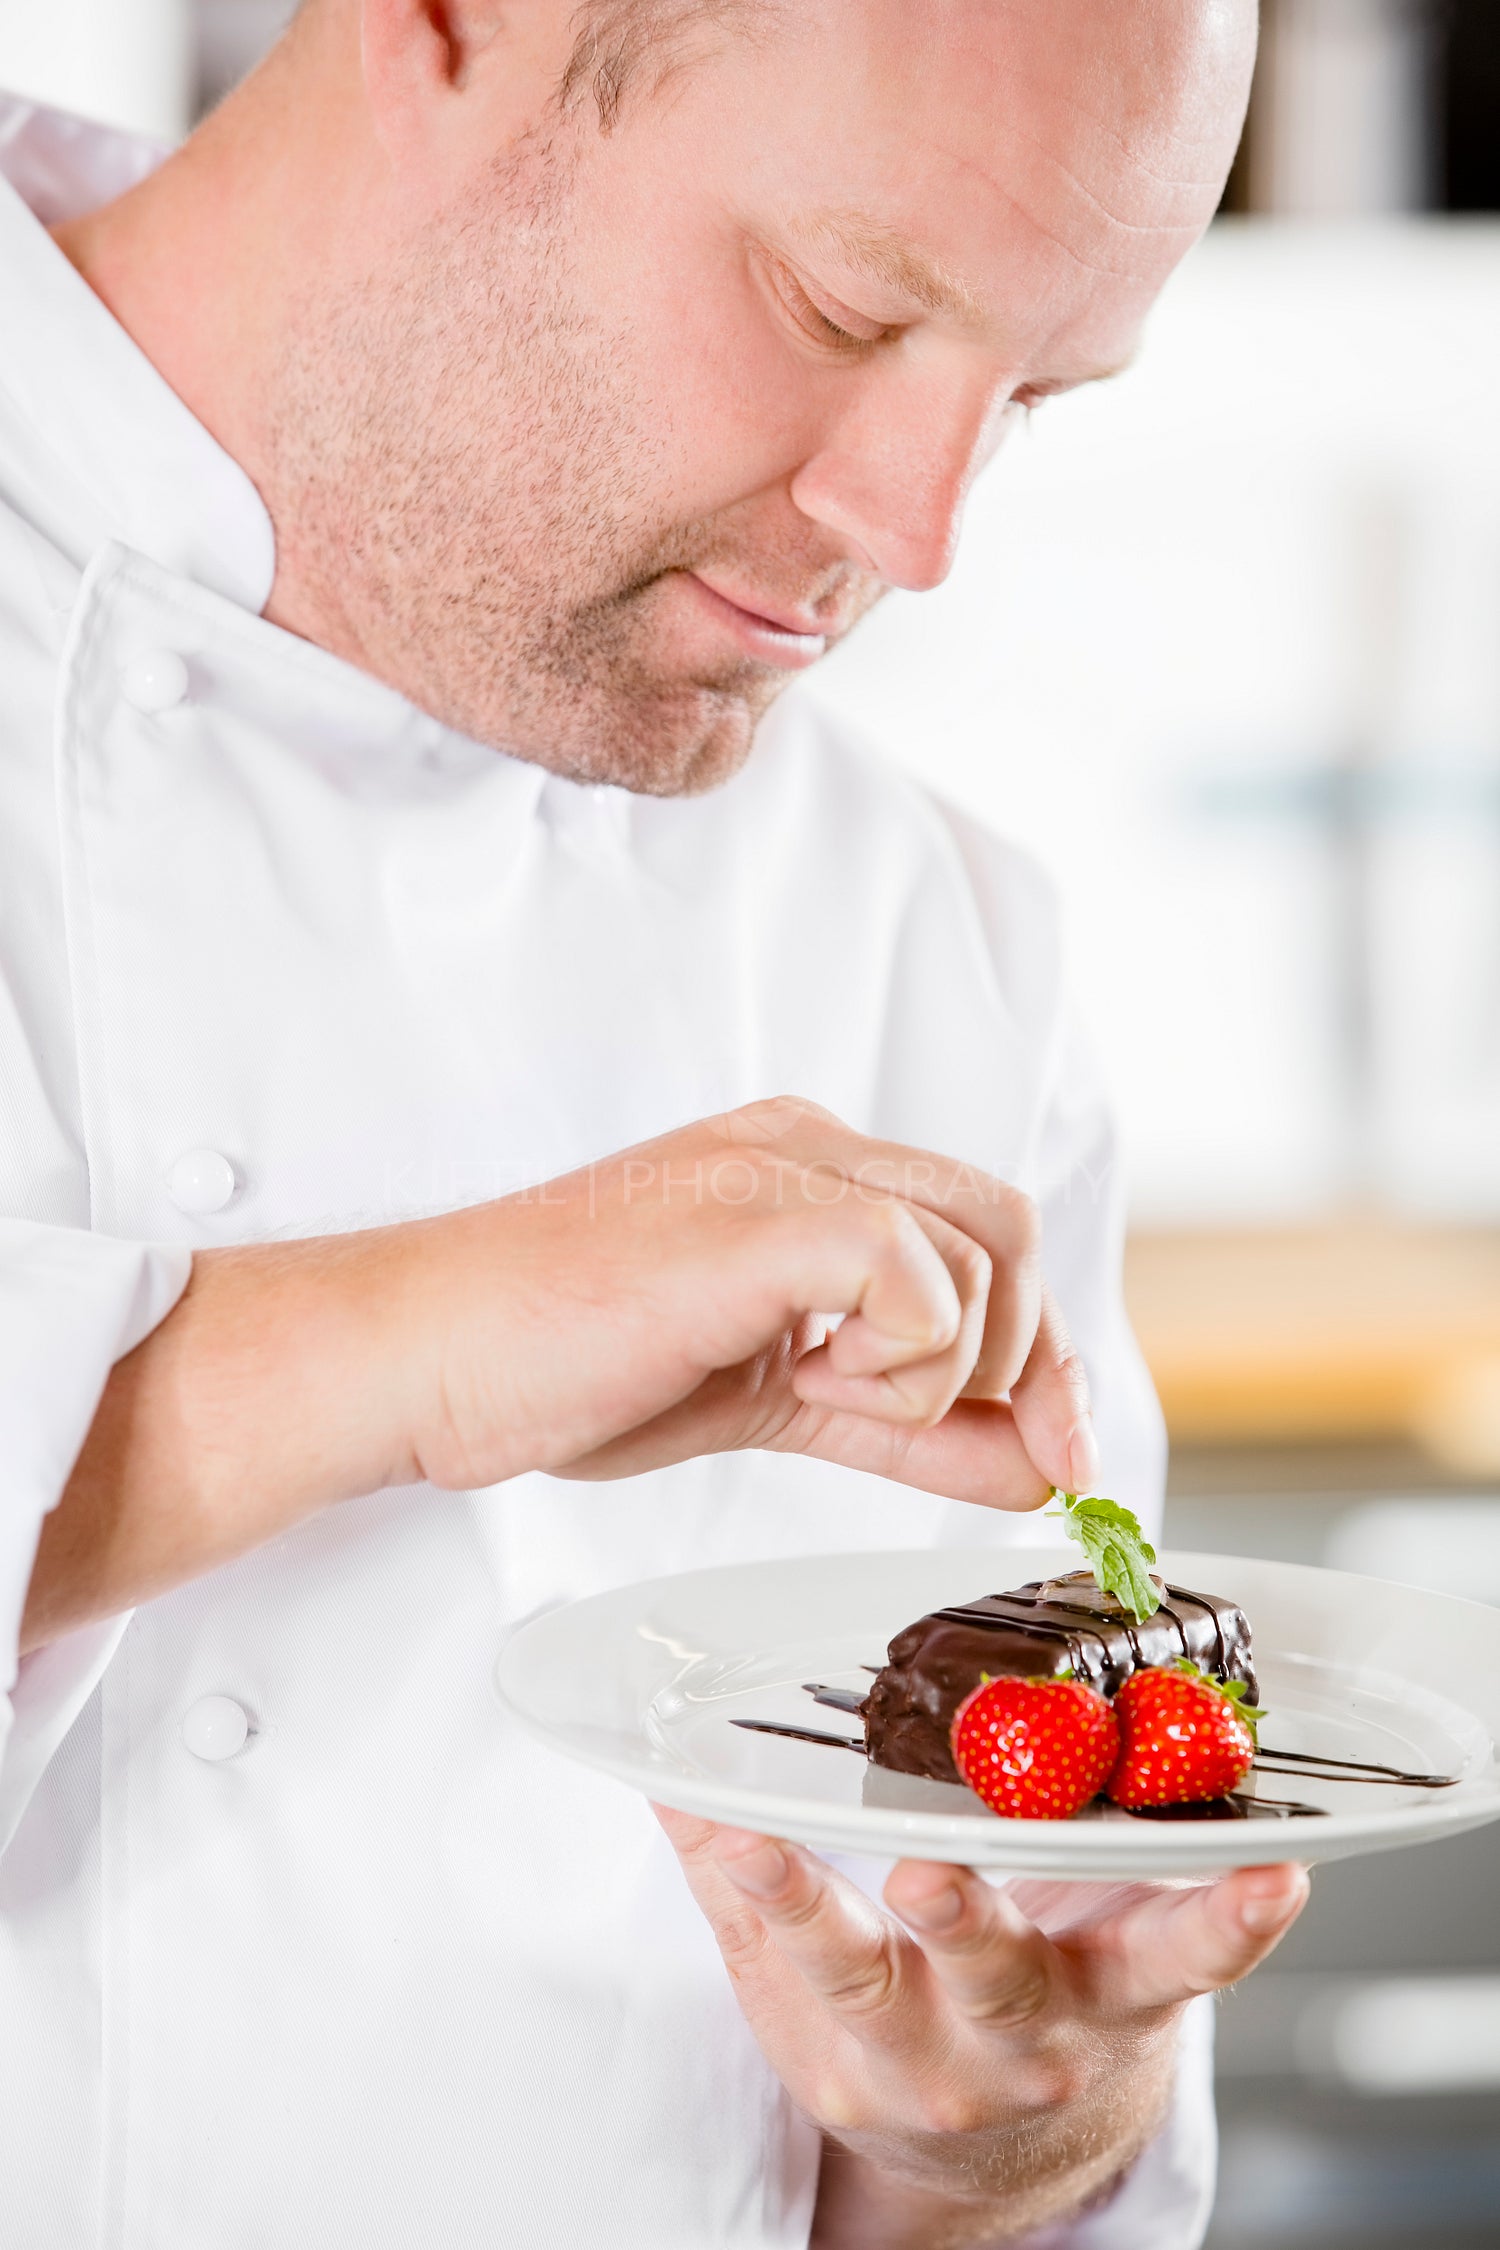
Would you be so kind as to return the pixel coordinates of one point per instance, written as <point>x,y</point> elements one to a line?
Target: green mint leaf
<point>1119,1557</point>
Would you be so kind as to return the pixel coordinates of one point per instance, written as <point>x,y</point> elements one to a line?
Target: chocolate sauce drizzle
<point>799,1734</point>
<point>1312,1763</point>
<point>1235,1807</point>
<point>1317,1765</point>
<point>1214,1808</point>
<point>836,1698</point>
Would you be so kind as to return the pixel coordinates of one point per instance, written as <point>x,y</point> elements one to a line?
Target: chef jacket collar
<point>86,392</point>
<point>147,472</point>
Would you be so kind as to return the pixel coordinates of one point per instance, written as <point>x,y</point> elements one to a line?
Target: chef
<point>459,1047</point>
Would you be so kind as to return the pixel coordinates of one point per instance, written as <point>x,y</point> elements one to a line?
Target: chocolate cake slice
<point>1053,1625</point>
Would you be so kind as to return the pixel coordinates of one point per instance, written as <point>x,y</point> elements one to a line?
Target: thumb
<point>1177,1944</point>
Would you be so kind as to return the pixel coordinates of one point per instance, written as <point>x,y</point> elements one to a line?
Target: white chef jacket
<point>392,1974</point>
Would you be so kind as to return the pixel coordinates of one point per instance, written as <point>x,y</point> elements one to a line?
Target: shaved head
<point>587,421</point>
<point>620,43</point>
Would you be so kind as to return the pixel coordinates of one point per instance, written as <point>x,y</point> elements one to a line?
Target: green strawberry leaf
<point>1119,1557</point>
<point>1233,1691</point>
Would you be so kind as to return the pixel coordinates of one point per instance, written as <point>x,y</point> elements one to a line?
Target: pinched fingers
<point>931,1267</point>
<point>994,1964</point>
<point>917,1301</point>
<point>998,1219</point>
<point>972,1454</point>
<point>870,1365</point>
<point>1013,1342</point>
<point>1041,1439</point>
<point>911,1301</point>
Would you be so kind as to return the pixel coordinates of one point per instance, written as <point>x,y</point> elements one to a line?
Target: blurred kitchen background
<point>1223,646</point>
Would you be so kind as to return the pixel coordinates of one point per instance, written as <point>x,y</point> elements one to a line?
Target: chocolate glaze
<point>1039,1630</point>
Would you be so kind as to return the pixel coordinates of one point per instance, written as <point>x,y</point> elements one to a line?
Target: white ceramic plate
<point>644,1682</point>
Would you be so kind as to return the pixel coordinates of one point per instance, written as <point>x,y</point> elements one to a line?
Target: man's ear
<point>414,49</point>
<point>420,56</point>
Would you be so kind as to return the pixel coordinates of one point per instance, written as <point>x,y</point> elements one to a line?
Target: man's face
<point>619,431</point>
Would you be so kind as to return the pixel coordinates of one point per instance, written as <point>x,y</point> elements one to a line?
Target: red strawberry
<point>1184,1737</point>
<point>1035,1749</point>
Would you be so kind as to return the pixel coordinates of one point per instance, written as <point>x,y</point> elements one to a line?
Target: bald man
<point>414,494</point>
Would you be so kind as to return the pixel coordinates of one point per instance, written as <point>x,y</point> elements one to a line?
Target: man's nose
<point>892,476</point>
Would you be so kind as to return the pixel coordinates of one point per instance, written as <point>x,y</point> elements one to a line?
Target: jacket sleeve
<point>71,1304</point>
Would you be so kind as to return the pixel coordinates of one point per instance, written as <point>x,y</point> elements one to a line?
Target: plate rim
<point>1025,1845</point>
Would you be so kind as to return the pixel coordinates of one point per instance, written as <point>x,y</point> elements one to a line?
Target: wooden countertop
<point>1361,1329</point>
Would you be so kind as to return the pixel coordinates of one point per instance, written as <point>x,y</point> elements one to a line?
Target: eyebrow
<point>893,262</point>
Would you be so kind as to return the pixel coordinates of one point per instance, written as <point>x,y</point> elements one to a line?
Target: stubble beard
<point>466,500</point>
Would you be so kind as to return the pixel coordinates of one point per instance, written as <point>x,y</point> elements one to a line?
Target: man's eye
<point>847,332</point>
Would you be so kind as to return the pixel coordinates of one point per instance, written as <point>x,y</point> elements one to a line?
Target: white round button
<point>201,1181</point>
<point>156,680</point>
<point>216,1727</point>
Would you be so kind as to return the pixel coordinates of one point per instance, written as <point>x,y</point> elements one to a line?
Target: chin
<point>678,742</point>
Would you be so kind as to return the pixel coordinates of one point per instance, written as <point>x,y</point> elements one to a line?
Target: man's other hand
<point>982,2061</point>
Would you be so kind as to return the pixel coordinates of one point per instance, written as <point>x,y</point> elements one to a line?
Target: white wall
<point>1193,611</point>
<point>1345,113</point>
<point>125,62</point>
